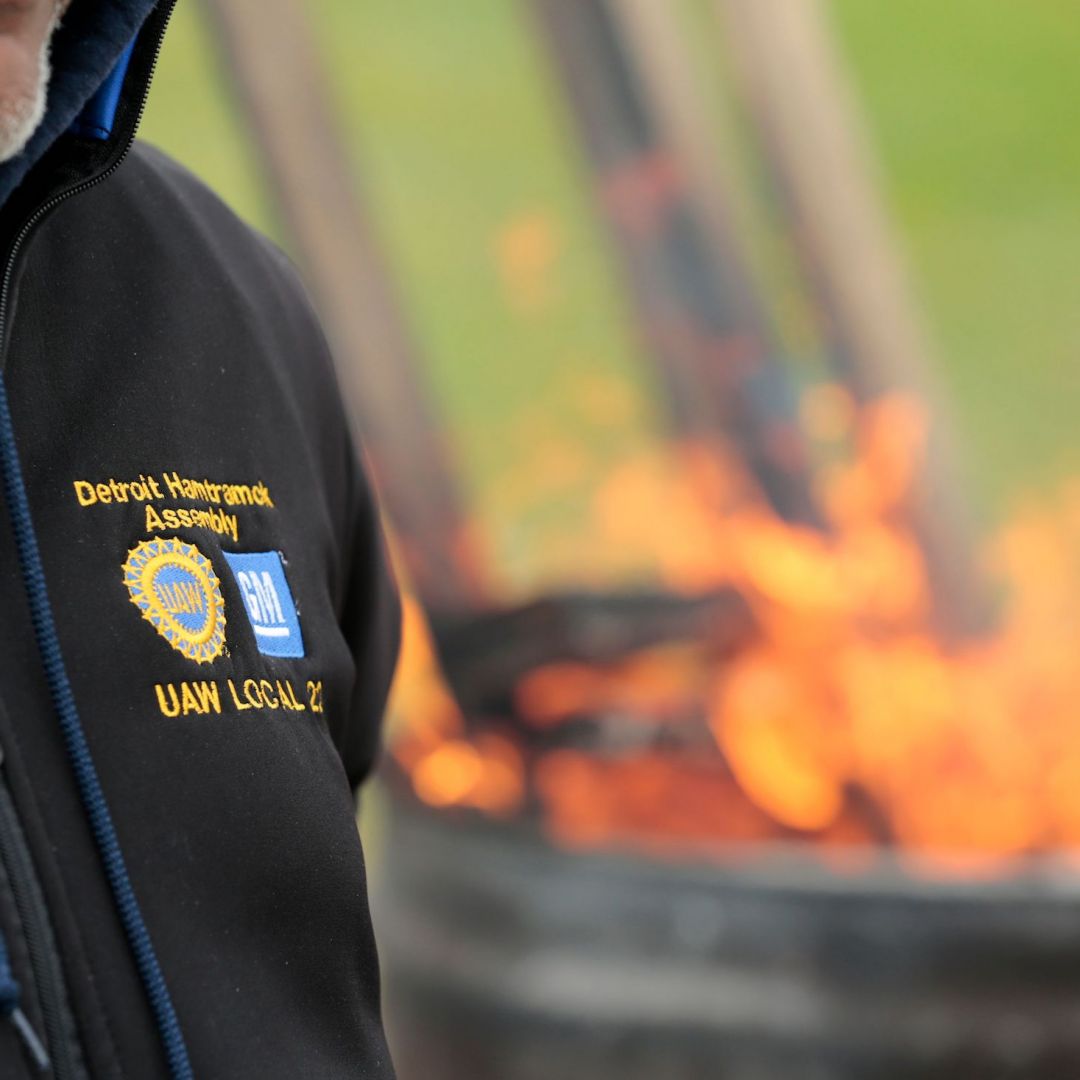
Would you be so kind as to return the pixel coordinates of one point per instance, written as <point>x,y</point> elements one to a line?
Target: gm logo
<point>260,576</point>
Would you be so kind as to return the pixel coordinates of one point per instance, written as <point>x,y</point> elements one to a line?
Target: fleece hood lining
<point>89,46</point>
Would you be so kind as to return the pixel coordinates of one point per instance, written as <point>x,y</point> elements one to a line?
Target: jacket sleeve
<point>370,610</point>
<point>371,622</point>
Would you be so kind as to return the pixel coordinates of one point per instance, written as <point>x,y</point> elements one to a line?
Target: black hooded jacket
<point>197,625</point>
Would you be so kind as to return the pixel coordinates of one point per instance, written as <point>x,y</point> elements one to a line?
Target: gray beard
<point>21,114</point>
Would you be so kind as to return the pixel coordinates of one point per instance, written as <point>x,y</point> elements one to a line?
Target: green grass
<point>459,137</point>
<point>972,106</point>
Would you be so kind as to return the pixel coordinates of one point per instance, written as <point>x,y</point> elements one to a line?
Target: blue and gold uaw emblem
<point>174,585</point>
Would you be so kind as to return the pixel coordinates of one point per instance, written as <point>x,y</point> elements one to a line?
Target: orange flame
<point>845,721</point>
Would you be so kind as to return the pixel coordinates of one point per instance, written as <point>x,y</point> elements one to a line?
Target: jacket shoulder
<point>158,221</point>
<point>171,200</point>
<point>154,246</point>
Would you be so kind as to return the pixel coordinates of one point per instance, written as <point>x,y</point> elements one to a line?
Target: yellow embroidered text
<point>183,517</point>
<point>150,489</point>
<point>207,698</point>
<point>146,488</point>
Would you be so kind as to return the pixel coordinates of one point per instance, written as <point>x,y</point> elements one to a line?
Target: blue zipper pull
<point>10,1009</point>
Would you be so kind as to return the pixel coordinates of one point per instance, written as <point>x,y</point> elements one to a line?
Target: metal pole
<point>711,344</point>
<point>273,60</point>
<point>806,117</point>
<point>657,47</point>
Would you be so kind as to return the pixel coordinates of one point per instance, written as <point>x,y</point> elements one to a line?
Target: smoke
<point>23,110</point>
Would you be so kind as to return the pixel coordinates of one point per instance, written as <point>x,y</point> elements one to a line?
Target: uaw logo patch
<point>260,576</point>
<point>174,585</point>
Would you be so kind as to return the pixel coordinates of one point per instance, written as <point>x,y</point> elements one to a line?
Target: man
<point>197,627</point>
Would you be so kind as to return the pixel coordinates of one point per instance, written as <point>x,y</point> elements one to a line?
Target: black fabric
<point>85,49</point>
<point>150,333</point>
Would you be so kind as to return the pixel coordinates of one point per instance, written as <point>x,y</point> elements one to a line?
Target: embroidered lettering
<point>213,698</point>
<point>240,705</point>
<point>198,698</point>
<point>189,518</point>
<point>144,489</point>
<point>172,707</point>
<point>147,490</point>
<point>288,696</point>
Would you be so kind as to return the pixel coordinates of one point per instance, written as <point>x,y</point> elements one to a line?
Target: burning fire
<point>842,719</point>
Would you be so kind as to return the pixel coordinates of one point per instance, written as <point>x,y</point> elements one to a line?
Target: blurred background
<point>718,364</point>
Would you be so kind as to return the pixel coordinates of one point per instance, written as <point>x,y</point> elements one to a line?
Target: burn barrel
<point>506,958</point>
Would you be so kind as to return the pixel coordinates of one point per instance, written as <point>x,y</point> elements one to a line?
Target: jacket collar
<point>91,53</point>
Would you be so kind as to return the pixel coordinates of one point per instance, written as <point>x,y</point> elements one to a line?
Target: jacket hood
<point>91,44</point>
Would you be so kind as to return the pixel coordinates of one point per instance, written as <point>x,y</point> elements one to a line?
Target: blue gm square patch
<point>260,576</point>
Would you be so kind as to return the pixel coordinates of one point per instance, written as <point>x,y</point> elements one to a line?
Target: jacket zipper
<point>45,964</point>
<point>49,205</point>
<point>63,1055</point>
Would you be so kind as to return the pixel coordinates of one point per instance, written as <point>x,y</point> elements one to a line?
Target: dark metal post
<point>806,119</point>
<point>272,58</point>
<point>710,340</point>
